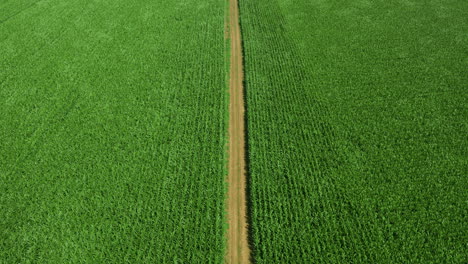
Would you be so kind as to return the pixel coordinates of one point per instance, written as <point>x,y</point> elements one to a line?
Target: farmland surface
<point>112,131</point>
<point>237,250</point>
<point>357,130</point>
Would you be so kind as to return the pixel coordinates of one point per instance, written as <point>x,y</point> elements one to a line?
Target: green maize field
<point>112,131</point>
<point>358,130</point>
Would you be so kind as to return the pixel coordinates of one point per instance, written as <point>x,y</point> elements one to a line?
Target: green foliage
<point>112,131</point>
<point>357,122</point>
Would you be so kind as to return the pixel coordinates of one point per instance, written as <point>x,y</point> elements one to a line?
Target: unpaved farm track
<point>237,242</point>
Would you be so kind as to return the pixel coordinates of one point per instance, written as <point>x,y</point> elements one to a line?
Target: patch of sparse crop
<point>112,132</point>
<point>357,130</point>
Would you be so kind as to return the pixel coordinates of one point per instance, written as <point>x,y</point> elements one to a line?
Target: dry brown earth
<point>237,243</point>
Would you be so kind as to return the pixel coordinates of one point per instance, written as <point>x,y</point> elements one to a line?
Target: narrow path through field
<point>237,246</point>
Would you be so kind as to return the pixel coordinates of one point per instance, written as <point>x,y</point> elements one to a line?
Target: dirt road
<point>237,247</point>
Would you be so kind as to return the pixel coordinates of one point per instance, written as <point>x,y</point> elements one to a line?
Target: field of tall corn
<point>112,131</point>
<point>357,127</point>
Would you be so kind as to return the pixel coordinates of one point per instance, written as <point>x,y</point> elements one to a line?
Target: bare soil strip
<point>237,243</point>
